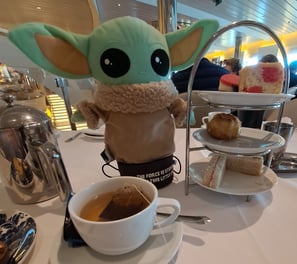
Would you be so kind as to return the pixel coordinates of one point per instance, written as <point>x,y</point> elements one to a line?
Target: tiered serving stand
<point>271,105</point>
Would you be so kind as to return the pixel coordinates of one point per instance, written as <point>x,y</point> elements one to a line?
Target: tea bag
<point>126,201</point>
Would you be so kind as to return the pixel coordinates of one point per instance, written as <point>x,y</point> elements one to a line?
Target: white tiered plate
<point>244,99</point>
<point>249,141</point>
<point>161,247</point>
<point>236,183</point>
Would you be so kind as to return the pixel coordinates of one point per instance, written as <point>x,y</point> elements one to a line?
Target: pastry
<point>265,77</point>
<point>214,171</point>
<point>223,126</point>
<point>229,83</point>
<point>247,165</point>
<point>4,254</point>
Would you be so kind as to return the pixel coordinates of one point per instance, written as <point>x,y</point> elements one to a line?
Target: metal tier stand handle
<point>203,51</point>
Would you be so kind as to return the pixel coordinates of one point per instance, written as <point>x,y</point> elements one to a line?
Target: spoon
<point>24,245</point>
<point>198,219</point>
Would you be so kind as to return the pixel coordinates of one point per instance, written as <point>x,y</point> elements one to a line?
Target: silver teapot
<point>32,168</point>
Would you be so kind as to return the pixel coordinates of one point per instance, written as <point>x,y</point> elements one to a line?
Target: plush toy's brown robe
<point>139,118</point>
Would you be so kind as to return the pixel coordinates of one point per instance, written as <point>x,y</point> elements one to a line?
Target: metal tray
<point>287,163</point>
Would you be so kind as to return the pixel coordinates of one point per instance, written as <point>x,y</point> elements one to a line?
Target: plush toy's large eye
<point>160,62</point>
<point>115,62</point>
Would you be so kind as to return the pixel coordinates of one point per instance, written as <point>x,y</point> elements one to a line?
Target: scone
<point>223,126</point>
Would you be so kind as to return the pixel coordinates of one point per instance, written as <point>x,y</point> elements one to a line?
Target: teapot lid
<point>13,116</point>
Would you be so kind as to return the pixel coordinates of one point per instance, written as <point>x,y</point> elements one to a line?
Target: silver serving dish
<point>287,163</point>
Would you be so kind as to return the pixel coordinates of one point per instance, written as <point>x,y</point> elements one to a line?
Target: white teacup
<point>123,235</point>
<point>210,115</point>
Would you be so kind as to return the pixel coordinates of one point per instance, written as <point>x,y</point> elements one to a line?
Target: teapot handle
<point>57,170</point>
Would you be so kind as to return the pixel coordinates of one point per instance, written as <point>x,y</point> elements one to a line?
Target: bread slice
<point>214,171</point>
<point>247,165</point>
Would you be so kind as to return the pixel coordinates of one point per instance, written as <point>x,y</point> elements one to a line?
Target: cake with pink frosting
<point>262,78</point>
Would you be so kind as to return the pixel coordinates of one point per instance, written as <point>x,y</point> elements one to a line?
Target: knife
<point>73,137</point>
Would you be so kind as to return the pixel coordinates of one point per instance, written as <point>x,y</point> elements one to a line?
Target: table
<point>263,230</point>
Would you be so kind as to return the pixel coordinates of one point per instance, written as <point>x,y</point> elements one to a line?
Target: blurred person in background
<point>269,58</point>
<point>207,77</point>
<point>233,65</point>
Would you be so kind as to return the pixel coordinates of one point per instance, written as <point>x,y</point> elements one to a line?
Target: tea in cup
<point>117,215</point>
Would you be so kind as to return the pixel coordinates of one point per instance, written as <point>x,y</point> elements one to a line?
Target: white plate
<point>94,133</point>
<point>244,99</point>
<point>93,136</point>
<point>160,248</point>
<point>249,141</point>
<point>28,252</point>
<point>234,182</point>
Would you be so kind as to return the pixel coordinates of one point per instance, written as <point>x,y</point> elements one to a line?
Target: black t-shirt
<point>207,77</point>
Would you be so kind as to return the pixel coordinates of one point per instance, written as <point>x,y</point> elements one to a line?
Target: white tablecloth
<point>263,230</point>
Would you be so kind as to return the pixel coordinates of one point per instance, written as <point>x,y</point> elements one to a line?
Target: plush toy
<point>132,62</point>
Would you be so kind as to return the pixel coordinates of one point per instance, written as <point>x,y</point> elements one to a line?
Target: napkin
<point>70,234</point>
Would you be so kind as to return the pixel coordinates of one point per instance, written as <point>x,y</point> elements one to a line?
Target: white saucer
<point>235,183</point>
<point>94,133</point>
<point>160,248</point>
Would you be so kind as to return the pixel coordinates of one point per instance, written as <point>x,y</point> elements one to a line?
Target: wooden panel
<point>78,16</point>
<point>81,15</point>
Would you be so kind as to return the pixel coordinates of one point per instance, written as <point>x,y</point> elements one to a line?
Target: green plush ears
<point>185,44</point>
<point>120,51</point>
<point>53,49</point>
